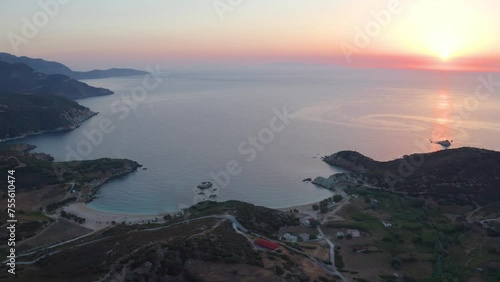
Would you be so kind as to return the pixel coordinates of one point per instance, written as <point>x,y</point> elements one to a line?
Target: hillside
<point>20,78</point>
<point>188,248</point>
<point>468,174</point>
<point>27,114</point>
<point>50,67</point>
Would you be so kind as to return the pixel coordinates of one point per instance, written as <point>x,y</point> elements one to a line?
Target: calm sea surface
<point>194,123</point>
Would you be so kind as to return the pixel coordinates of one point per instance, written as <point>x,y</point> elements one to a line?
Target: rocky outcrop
<point>339,180</point>
<point>350,160</point>
<point>89,191</point>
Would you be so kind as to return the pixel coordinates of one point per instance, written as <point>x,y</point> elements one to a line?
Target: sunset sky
<point>444,34</point>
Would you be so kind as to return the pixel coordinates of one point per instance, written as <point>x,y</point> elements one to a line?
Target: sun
<point>445,55</point>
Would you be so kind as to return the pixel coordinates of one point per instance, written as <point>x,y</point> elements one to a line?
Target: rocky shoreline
<point>92,188</point>
<point>59,129</point>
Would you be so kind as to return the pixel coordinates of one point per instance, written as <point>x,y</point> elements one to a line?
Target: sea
<point>257,132</point>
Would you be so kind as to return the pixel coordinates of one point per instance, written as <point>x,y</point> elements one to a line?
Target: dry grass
<point>40,198</point>
<point>59,231</point>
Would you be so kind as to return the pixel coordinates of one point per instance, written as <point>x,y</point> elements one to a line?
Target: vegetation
<point>420,233</point>
<point>53,206</point>
<point>38,173</point>
<point>337,198</point>
<point>27,114</point>
<point>262,220</point>
<point>20,78</point>
<point>74,217</point>
<point>148,254</point>
<point>464,174</point>
<point>323,206</point>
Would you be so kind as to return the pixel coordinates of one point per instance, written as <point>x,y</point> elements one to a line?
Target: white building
<point>354,233</point>
<point>304,236</point>
<point>290,238</point>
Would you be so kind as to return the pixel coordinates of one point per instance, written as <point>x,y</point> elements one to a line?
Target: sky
<point>439,34</point>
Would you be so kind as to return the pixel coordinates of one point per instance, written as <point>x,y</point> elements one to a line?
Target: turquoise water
<point>193,123</point>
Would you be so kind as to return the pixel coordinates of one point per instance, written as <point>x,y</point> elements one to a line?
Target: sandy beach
<point>98,220</point>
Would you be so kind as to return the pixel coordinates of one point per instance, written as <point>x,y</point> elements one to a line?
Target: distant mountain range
<point>49,67</point>
<point>35,95</point>
<point>20,78</point>
<point>28,114</point>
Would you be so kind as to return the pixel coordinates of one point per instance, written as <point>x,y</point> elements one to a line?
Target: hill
<point>114,72</point>
<point>20,78</point>
<point>28,114</point>
<point>50,67</point>
<point>468,174</point>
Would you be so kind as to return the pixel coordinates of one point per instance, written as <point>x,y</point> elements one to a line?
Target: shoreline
<point>57,130</point>
<point>97,220</point>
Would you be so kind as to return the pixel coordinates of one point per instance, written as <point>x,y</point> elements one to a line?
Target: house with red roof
<point>266,244</point>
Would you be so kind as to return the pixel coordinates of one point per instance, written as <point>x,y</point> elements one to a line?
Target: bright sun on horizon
<point>445,56</point>
<point>455,34</point>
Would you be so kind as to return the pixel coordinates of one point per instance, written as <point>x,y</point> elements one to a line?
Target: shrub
<point>337,198</point>
<point>279,270</point>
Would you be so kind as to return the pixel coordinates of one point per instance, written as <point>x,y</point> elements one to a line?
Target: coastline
<point>96,220</point>
<point>57,130</point>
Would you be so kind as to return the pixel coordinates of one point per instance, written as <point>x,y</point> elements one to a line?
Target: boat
<point>212,196</point>
<point>205,185</point>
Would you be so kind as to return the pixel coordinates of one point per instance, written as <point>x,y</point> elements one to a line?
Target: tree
<point>313,223</point>
<point>396,263</point>
<point>315,207</point>
<point>279,270</point>
<point>323,206</point>
<point>337,198</point>
<point>323,209</point>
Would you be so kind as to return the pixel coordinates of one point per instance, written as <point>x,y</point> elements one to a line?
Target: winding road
<point>240,229</point>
